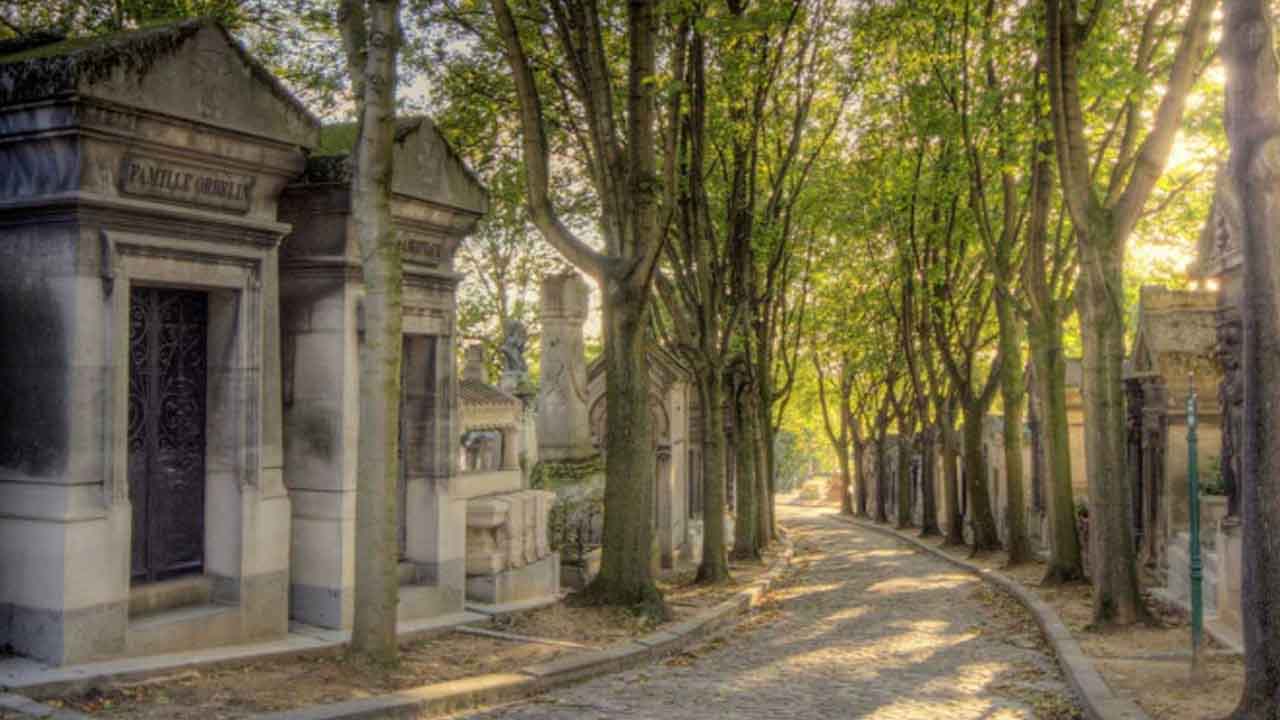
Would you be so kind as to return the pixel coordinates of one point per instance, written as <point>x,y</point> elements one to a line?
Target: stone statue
<point>513,347</point>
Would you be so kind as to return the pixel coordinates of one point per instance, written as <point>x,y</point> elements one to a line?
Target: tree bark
<point>1114,569</point>
<point>371,54</point>
<point>951,482</point>
<point>1013,394</point>
<point>714,566</point>
<point>882,478</point>
<point>746,523</point>
<point>761,431</point>
<point>1253,128</point>
<point>904,483</point>
<point>626,570</point>
<point>928,483</point>
<point>1046,298</point>
<point>982,521</point>
<point>1050,370</point>
<point>860,469</point>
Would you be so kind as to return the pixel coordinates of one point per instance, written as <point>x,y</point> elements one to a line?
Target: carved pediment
<point>425,167</point>
<point>193,69</point>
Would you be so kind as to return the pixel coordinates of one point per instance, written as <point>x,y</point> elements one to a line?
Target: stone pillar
<point>1134,458</point>
<point>1230,404</point>
<point>473,370</point>
<point>662,506</point>
<point>510,448</point>
<point>1155,423</point>
<point>564,431</point>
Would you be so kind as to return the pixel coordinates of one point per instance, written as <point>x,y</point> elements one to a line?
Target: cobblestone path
<point>864,627</point>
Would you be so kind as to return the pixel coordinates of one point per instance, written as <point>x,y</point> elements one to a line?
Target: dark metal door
<point>167,385</point>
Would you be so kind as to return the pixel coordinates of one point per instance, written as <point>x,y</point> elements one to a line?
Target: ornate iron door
<point>167,383</point>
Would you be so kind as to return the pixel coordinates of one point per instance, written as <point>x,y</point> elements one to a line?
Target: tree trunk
<point>982,521</point>
<point>846,499</point>
<point>373,631</point>
<point>951,484</point>
<point>626,569</point>
<point>1050,368</point>
<point>764,526</point>
<point>746,524</point>
<point>904,483</point>
<point>766,464</point>
<point>860,469</point>
<point>1253,110</point>
<point>1114,563</point>
<point>714,566</point>
<point>928,484</point>
<point>882,479</point>
<point>1013,395</point>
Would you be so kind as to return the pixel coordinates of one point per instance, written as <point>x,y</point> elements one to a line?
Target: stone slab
<point>493,609</point>
<point>41,681</point>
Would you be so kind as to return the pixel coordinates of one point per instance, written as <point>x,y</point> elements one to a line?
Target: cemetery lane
<point>863,627</point>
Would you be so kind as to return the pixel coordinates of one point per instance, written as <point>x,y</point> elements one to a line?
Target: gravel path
<point>864,627</point>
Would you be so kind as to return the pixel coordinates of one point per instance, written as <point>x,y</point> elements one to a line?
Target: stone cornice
<point>143,217</point>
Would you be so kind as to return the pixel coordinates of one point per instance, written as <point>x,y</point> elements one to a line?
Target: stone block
<point>536,580</point>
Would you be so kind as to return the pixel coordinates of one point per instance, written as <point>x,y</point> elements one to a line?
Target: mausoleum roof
<point>472,392</point>
<point>426,166</point>
<point>1178,322</point>
<point>118,66</point>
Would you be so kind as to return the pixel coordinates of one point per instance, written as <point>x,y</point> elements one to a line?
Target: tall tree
<point>622,164</point>
<point>990,57</point>
<point>1048,277</point>
<point>1253,127</point>
<point>371,36</point>
<point>1104,208</point>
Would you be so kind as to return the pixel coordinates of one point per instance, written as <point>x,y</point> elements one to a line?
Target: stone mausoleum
<point>435,204</point>
<point>141,456</point>
<point>178,371</point>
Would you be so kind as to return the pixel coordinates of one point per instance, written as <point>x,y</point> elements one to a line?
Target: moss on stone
<point>47,66</point>
<point>552,474</point>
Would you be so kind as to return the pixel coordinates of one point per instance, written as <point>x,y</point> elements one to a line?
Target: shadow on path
<point>862,627</point>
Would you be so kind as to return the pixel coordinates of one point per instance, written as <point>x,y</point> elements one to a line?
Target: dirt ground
<point>230,692</point>
<point>1148,663</point>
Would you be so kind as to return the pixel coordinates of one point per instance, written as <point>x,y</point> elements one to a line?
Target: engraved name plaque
<point>149,177</point>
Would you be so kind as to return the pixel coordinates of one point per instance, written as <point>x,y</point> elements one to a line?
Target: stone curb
<point>315,642</point>
<point>27,707</point>
<point>1100,703</point>
<point>499,688</point>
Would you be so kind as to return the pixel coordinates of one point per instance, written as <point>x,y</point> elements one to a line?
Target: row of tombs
<point>179,362</point>
<point>1184,339</point>
<point>179,370</point>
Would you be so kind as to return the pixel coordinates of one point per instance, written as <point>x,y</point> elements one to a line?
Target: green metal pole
<point>1193,483</point>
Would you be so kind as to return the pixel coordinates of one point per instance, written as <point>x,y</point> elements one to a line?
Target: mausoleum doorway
<point>168,373</point>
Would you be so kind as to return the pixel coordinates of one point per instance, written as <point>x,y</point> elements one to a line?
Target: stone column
<point>564,431</point>
<point>1134,458</point>
<point>473,370</point>
<point>510,448</point>
<point>1155,423</point>
<point>1230,404</point>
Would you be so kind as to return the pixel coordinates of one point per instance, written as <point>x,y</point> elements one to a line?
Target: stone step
<point>425,601</point>
<point>181,629</point>
<point>159,597</point>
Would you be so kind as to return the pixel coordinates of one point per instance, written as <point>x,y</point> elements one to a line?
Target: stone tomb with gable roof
<point>436,202</point>
<point>142,500</point>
